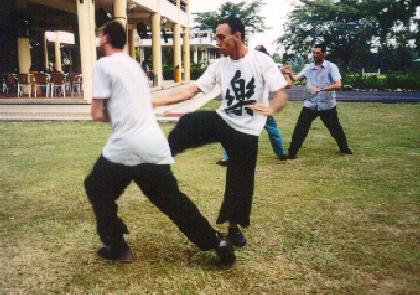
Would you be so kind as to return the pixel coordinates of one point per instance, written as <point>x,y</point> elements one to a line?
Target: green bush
<point>168,72</point>
<point>383,82</point>
<point>197,69</point>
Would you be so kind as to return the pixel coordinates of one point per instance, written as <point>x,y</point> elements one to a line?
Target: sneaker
<point>224,250</point>
<point>236,237</point>
<point>283,157</point>
<point>109,253</point>
<point>222,162</point>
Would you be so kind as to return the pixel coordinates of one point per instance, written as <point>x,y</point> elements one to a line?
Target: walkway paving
<point>66,109</point>
<point>76,109</point>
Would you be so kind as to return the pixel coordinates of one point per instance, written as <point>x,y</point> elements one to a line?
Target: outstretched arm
<point>176,96</point>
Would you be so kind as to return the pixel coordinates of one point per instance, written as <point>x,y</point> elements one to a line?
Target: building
<point>27,42</point>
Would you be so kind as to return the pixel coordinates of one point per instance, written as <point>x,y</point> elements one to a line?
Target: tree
<point>351,30</point>
<point>247,12</point>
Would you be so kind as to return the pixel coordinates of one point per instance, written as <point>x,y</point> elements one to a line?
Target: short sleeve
<point>207,81</point>
<point>304,72</point>
<point>272,75</point>
<point>335,73</point>
<point>101,83</point>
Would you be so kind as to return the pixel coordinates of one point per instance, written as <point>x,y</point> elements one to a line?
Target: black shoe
<point>283,157</point>
<point>346,151</point>
<point>222,162</point>
<point>224,250</point>
<point>236,237</point>
<point>109,253</point>
<point>292,156</point>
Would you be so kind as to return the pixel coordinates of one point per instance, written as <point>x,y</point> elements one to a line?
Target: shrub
<point>383,82</point>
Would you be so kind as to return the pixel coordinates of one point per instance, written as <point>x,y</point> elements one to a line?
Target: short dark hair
<point>235,24</point>
<point>321,46</point>
<point>115,33</point>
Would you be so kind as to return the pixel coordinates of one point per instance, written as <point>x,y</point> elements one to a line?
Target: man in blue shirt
<point>322,79</point>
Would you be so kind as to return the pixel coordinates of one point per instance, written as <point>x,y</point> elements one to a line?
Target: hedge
<point>383,82</point>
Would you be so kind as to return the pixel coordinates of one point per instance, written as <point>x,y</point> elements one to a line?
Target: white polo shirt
<point>136,136</point>
<point>243,82</point>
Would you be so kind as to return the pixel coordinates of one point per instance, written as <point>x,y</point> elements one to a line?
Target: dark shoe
<point>292,156</point>
<point>236,237</point>
<point>345,152</point>
<point>224,250</point>
<point>123,256</point>
<point>222,162</point>
<point>283,157</point>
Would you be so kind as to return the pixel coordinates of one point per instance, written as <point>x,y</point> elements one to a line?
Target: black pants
<point>107,182</point>
<point>203,127</point>
<point>330,120</point>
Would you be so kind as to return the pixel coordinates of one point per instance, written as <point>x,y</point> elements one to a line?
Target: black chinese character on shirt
<point>242,94</point>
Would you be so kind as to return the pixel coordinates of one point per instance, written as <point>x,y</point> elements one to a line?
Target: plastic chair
<point>41,80</point>
<point>58,81</point>
<point>24,81</point>
<point>76,83</point>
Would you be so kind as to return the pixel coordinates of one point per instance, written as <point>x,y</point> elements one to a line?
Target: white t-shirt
<point>136,136</point>
<point>243,82</point>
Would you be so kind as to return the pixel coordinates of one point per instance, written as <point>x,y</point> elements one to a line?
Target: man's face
<point>318,55</point>
<point>225,40</point>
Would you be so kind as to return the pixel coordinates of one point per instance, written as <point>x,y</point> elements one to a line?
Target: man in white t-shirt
<point>243,76</point>
<point>136,151</point>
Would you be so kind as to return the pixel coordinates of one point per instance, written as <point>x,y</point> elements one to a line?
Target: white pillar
<point>46,61</point>
<point>24,49</point>
<point>195,54</point>
<point>177,47</point>
<point>57,52</point>
<point>85,12</point>
<point>187,57</point>
<point>120,15</point>
<point>141,54</point>
<point>156,48</point>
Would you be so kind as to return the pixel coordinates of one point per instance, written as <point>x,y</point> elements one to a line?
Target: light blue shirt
<point>326,75</point>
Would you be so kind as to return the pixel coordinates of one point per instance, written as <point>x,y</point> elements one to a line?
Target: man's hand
<point>314,90</point>
<point>261,109</point>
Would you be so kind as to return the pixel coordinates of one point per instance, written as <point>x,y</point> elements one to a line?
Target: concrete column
<point>132,33</point>
<point>156,50</point>
<point>177,46</point>
<point>141,55</point>
<point>57,52</point>
<point>187,47</point>
<point>46,61</point>
<point>195,54</point>
<point>187,57</point>
<point>120,15</point>
<point>203,53</point>
<point>24,51</point>
<point>92,31</point>
<point>24,55</point>
<point>85,12</point>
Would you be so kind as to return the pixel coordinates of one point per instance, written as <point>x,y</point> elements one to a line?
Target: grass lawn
<point>321,223</point>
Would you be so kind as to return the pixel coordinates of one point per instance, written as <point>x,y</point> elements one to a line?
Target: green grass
<point>320,224</point>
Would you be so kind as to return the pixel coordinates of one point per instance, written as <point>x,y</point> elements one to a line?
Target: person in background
<point>322,79</point>
<point>136,151</point>
<point>244,76</point>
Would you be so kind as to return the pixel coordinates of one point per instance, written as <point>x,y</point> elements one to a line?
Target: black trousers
<point>107,182</point>
<point>203,127</point>
<point>330,120</point>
